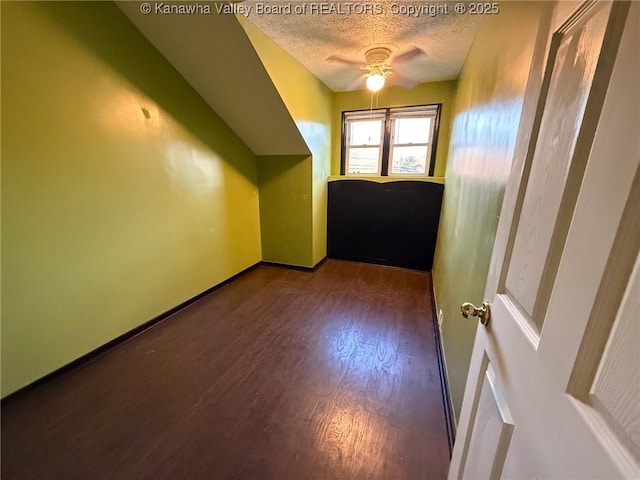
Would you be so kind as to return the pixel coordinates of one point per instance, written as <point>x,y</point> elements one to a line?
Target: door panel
<point>492,430</point>
<point>560,354</point>
<point>606,377</point>
<point>574,54</point>
<point>615,393</point>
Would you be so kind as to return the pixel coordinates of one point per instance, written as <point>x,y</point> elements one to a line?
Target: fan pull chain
<point>371,107</point>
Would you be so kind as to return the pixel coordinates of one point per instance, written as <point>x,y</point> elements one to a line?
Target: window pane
<point>364,160</point>
<point>366,133</point>
<point>409,160</point>
<point>412,130</point>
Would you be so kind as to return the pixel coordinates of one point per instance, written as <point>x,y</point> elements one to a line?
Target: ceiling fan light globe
<point>375,82</point>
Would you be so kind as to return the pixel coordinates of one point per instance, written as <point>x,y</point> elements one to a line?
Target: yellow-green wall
<point>123,193</point>
<point>487,111</point>
<point>423,94</point>
<point>309,102</point>
<point>285,206</point>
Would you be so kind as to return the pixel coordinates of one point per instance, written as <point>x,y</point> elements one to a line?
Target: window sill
<point>380,179</point>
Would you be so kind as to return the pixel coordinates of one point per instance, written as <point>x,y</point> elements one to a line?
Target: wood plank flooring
<point>281,374</point>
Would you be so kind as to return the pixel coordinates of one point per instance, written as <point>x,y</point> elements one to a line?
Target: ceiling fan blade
<point>343,59</point>
<point>356,84</point>
<point>408,55</point>
<point>404,82</point>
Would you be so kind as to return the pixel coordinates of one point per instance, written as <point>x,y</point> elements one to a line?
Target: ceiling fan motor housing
<point>377,56</point>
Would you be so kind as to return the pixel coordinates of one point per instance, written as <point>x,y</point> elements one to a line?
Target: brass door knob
<point>470,310</point>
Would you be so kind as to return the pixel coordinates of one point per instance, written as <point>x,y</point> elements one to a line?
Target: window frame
<point>346,134</point>
<point>384,163</point>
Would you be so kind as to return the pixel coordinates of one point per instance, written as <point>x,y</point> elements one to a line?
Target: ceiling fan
<point>378,65</point>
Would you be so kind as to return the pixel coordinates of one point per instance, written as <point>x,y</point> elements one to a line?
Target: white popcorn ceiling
<point>332,46</point>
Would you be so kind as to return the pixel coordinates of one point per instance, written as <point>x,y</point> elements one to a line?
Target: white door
<point>554,384</point>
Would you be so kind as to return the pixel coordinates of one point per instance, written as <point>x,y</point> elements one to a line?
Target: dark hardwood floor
<point>280,374</point>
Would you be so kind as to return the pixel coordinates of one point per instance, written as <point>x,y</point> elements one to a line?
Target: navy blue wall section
<point>392,223</point>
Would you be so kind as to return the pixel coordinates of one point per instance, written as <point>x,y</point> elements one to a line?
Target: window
<point>390,141</point>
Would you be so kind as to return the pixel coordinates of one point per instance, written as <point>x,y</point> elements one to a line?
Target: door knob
<point>470,310</point>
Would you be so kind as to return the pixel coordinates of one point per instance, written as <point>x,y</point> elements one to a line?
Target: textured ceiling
<point>330,38</point>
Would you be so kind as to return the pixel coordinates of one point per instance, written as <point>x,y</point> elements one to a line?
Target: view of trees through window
<point>411,138</point>
<point>394,141</point>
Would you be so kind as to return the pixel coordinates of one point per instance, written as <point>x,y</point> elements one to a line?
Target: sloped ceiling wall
<point>214,55</point>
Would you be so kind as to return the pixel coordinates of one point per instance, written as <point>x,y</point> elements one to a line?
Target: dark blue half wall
<point>393,223</point>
